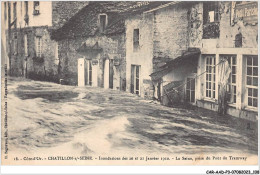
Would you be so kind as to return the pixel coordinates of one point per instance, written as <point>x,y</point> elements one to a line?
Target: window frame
<point>253,87</point>
<point>35,5</point>
<point>102,28</point>
<point>5,11</point>
<point>26,7</point>
<point>211,79</point>
<point>38,49</point>
<point>136,39</point>
<point>211,29</point>
<point>206,9</point>
<point>230,58</point>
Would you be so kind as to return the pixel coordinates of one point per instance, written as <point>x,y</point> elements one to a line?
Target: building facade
<point>201,53</point>
<point>93,52</point>
<point>139,54</point>
<point>28,24</point>
<point>234,40</point>
<point>93,44</point>
<point>162,35</point>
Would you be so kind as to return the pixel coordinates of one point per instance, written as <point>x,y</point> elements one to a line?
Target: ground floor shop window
<point>252,80</point>
<point>231,87</point>
<point>210,76</point>
<point>135,79</point>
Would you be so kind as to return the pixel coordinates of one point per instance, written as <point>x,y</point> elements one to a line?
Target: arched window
<point>238,40</point>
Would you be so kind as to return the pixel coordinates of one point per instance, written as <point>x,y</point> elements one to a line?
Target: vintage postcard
<point>129,83</point>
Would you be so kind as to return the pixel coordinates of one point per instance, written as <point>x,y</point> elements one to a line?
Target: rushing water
<point>50,117</point>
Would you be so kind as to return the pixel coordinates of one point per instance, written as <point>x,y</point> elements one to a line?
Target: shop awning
<point>85,49</point>
<point>188,57</point>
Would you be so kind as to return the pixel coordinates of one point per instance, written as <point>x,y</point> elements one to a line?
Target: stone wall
<point>68,59</point>
<point>17,57</point>
<point>228,29</point>
<point>225,45</point>
<point>29,66</point>
<point>121,69</point>
<point>113,45</point>
<point>143,56</point>
<point>47,67</point>
<point>170,31</point>
<point>195,14</point>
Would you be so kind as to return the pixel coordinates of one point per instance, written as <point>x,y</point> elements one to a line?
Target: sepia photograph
<point>129,83</point>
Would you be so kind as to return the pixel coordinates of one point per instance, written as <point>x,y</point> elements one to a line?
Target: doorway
<point>135,79</point>
<point>108,73</point>
<point>190,90</point>
<point>159,90</point>
<point>89,73</point>
<point>111,73</point>
<point>81,72</point>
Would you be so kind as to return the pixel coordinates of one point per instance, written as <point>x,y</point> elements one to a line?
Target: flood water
<point>44,116</point>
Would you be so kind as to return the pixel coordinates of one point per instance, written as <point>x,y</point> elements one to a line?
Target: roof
<point>85,23</point>
<point>63,10</point>
<point>163,6</point>
<point>172,85</point>
<point>173,63</point>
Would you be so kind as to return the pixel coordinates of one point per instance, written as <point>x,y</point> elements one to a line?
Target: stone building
<point>30,51</point>
<point>92,47</point>
<point>202,53</point>
<point>161,35</point>
<point>228,32</point>
<point>199,53</point>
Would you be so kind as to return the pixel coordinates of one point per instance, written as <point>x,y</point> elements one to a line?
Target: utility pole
<point>9,38</point>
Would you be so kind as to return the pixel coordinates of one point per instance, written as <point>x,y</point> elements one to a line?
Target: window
<point>14,14</point>
<point>211,20</point>
<point>136,39</point>
<point>26,7</point>
<point>39,46</point>
<point>36,7</point>
<point>26,16</point>
<point>238,40</point>
<point>102,22</point>
<point>231,87</point>
<point>210,76</point>
<point>5,15</point>
<point>26,48</point>
<point>210,12</point>
<point>252,80</point>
